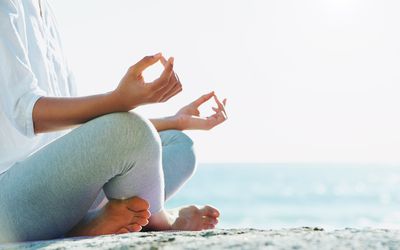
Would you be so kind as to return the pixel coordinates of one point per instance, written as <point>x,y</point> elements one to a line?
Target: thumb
<point>146,62</point>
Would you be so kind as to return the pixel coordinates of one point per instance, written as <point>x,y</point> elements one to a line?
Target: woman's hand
<point>133,91</point>
<point>189,118</point>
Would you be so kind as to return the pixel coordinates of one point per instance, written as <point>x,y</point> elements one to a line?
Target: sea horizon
<point>279,195</point>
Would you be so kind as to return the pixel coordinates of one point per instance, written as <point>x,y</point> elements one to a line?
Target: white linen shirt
<point>32,65</point>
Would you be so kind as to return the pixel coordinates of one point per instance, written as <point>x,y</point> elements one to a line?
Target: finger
<point>220,115</point>
<point>165,75</point>
<point>173,81</point>
<point>203,99</point>
<point>165,91</point>
<point>146,62</point>
<point>163,61</point>
<point>224,102</point>
<point>174,76</point>
<point>206,123</point>
<point>215,120</point>
<point>216,109</point>
<point>220,105</point>
<point>174,91</point>
<point>177,91</point>
<point>177,77</point>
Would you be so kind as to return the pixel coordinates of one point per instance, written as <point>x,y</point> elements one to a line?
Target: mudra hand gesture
<point>188,117</point>
<point>133,91</point>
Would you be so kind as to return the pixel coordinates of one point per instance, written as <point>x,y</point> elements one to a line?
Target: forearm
<point>166,123</point>
<point>53,113</point>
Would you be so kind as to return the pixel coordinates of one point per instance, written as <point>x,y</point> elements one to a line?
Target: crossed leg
<point>50,193</point>
<point>179,163</point>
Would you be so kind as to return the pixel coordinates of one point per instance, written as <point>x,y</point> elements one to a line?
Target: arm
<point>51,114</point>
<point>165,123</point>
<point>188,117</point>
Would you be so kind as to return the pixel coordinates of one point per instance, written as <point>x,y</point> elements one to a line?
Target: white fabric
<point>31,66</point>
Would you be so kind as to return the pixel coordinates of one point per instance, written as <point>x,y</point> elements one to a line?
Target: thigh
<point>44,196</point>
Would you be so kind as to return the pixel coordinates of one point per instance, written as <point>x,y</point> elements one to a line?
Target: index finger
<point>146,62</point>
<point>163,61</point>
<point>220,105</point>
<point>203,99</point>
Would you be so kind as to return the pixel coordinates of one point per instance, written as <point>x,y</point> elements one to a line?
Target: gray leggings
<point>118,155</point>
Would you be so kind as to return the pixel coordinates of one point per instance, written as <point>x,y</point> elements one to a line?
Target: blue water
<point>293,195</point>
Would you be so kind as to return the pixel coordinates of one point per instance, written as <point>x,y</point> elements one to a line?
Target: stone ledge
<point>296,238</point>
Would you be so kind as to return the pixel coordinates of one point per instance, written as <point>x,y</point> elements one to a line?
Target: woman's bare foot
<point>116,217</point>
<point>193,218</point>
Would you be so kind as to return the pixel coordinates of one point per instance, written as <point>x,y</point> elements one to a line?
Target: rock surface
<point>297,238</point>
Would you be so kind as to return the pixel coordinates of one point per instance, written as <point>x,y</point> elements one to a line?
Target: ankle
<point>161,221</point>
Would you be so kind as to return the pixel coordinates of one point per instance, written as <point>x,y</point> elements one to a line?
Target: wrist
<point>116,101</point>
<point>174,122</point>
<point>179,122</point>
<point>166,123</point>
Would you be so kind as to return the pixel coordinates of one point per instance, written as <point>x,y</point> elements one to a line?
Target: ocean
<point>272,196</point>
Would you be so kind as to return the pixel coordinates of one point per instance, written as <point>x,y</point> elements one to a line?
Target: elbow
<point>23,117</point>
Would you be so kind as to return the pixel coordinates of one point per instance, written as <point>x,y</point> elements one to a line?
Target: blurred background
<point>312,86</point>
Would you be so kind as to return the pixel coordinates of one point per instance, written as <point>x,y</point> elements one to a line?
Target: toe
<point>210,211</point>
<point>122,231</point>
<point>143,214</point>
<point>134,227</point>
<point>137,204</point>
<point>210,220</point>
<point>208,226</point>
<point>140,221</point>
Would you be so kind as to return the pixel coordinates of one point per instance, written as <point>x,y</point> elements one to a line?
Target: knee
<point>127,132</point>
<point>185,153</point>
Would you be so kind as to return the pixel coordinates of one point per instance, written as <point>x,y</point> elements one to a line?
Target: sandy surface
<point>298,238</point>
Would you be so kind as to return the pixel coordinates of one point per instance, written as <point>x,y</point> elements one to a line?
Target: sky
<point>306,81</point>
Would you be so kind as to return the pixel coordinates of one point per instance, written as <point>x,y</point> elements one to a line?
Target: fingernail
<point>171,60</point>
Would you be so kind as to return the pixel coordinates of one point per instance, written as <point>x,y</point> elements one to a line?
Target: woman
<point>112,173</point>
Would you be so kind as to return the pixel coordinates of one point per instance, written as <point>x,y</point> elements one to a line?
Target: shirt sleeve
<point>19,90</point>
<point>72,83</point>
